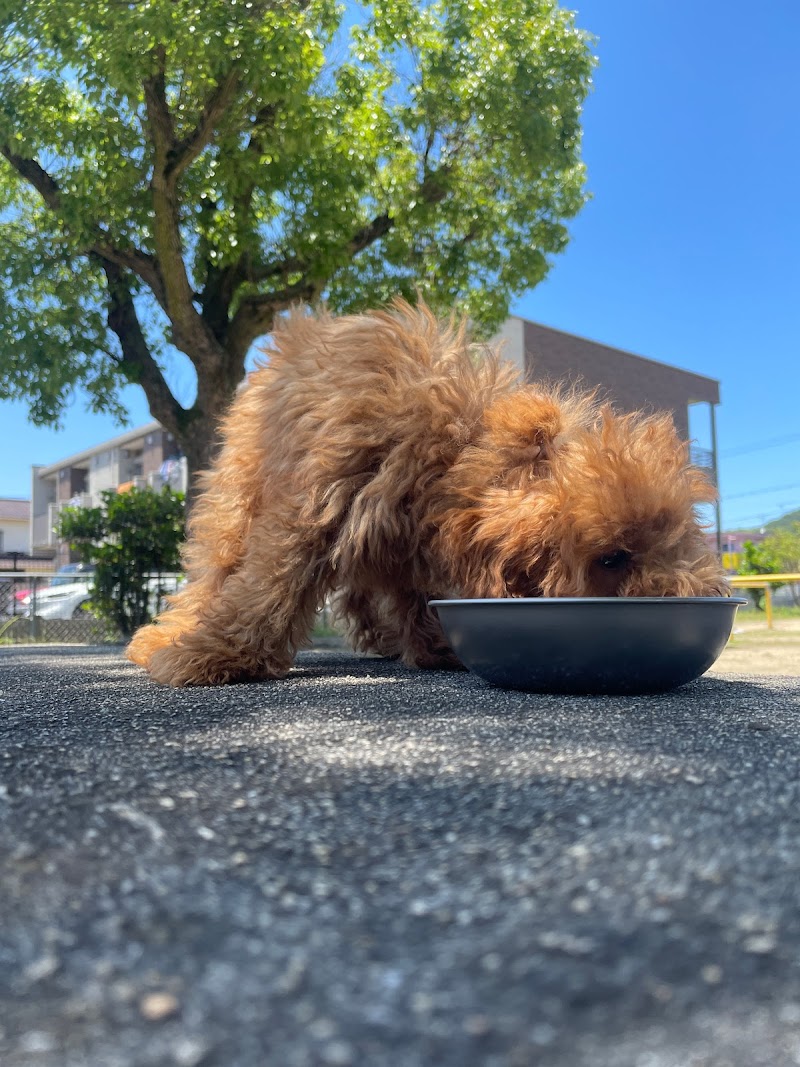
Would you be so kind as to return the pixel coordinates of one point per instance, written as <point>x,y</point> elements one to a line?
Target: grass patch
<point>782,612</point>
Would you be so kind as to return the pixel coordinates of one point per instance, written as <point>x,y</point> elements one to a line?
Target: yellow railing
<point>765,582</point>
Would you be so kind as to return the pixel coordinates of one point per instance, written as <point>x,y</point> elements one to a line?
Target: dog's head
<point>557,497</point>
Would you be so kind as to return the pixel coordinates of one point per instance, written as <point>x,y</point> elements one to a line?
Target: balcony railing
<point>80,500</point>
<point>701,457</point>
<point>175,476</point>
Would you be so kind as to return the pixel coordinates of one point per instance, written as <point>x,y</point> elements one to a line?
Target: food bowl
<point>589,644</point>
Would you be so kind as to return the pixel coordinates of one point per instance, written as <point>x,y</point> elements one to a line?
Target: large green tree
<point>176,173</point>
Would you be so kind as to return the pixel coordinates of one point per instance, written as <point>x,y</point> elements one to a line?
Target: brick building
<point>628,381</point>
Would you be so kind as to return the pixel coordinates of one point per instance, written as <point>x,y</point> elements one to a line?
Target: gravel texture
<point>371,866</point>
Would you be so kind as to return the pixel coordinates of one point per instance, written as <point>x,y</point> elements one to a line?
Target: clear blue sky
<point>689,251</point>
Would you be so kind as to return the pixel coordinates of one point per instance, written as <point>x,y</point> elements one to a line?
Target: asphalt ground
<point>371,866</point>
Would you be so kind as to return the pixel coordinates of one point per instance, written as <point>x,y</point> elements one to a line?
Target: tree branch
<point>185,152</point>
<point>138,364</point>
<point>159,118</point>
<point>369,234</point>
<point>172,158</point>
<point>361,239</point>
<point>431,190</point>
<point>263,120</point>
<point>260,272</point>
<point>132,258</point>
<point>35,175</point>
<point>140,263</point>
<point>288,265</point>
<point>225,282</point>
<point>189,332</point>
<point>256,314</point>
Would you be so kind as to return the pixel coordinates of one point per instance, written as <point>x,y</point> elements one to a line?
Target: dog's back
<point>363,414</point>
<point>360,385</point>
<point>347,426</point>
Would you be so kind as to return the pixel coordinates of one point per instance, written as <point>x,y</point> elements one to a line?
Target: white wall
<point>43,493</point>
<point>104,471</point>
<point>14,536</point>
<point>512,336</point>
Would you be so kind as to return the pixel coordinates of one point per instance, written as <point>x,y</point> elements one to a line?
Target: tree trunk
<point>198,431</point>
<point>200,442</point>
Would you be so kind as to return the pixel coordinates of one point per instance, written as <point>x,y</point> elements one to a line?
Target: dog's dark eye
<point>612,561</point>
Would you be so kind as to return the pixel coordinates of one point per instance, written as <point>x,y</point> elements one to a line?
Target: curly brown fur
<point>377,458</point>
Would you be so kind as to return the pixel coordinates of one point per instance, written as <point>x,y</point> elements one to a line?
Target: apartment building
<point>147,456</point>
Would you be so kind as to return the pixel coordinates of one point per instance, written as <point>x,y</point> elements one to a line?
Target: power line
<point>760,518</point>
<point>767,513</point>
<point>758,492</point>
<point>772,443</point>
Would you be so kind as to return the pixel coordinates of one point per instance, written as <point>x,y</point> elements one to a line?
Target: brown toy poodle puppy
<point>382,460</point>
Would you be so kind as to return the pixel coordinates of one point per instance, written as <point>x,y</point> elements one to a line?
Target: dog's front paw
<point>146,642</point>
<point>192,660</point>
<point>176,666</point>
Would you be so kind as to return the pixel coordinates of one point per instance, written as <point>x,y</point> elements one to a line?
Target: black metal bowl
<point>589,644</point>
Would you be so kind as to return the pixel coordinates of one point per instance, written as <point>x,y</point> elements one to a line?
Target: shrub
<point>131,539</point>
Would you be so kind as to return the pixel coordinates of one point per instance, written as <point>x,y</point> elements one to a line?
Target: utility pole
<point>715,470</point>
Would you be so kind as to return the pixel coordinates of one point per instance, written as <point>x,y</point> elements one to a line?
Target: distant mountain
<point>788,519</point>
<point>781,523</point>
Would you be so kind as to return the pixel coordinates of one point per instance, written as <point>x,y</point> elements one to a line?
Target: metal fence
<point>27,610</point>
<point>42,608</point>
<point>21,622</point>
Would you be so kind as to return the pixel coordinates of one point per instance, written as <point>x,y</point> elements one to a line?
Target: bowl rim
<point>737,600</point>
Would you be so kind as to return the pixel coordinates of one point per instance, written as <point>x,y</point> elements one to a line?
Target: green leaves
<point>778,553</point>
<point>431,147</point>
<point>482,165</point>
<point>52,323</point>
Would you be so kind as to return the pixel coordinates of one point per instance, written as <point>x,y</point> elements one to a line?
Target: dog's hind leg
<point>366,619</point>
<point>423,643</point>
<point>231,497</point>
<point>397,623</point>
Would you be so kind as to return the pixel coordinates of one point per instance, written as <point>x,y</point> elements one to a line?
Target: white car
<point>65,597</point>
<point>70,591</point>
